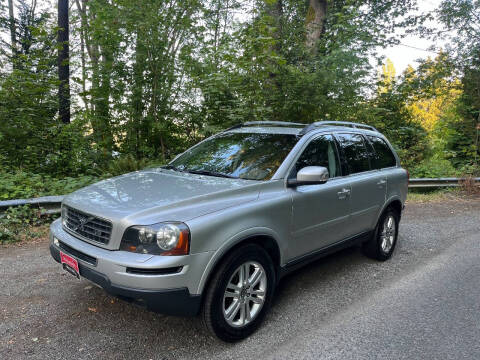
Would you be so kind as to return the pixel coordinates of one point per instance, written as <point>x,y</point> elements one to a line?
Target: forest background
<point>148,79</point>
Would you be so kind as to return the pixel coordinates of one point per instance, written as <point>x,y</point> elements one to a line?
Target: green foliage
<point>165,74</point>
<point>31,137</point>
<point>128,163</point>
<point>156,76</point>
<point>434,167</point>
<point>21,223</point>
<point>461,18</point>
<point>463,134</point>
<point>388,112</point>
<point>21,185</point>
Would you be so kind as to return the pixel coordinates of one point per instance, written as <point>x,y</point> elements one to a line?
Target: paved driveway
<point>423,303</point>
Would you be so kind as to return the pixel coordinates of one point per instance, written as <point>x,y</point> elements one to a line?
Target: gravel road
<point>423,303</point>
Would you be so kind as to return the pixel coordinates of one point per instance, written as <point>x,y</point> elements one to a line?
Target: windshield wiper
<point>199,172</point>
<point>211,173</point>
<point>169,167</point>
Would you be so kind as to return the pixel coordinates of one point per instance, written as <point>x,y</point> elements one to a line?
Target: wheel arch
<point>265,239</point>
<point>394,203</point>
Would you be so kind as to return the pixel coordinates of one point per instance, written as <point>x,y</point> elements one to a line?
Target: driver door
<point>320,212</point>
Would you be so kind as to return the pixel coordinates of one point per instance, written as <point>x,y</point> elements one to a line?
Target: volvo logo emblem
<point>82,222</point>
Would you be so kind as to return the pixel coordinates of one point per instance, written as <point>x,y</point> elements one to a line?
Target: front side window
<point>252,156</point>
<point>383,157</point>
<point>320,152</point>
<point>355,152</point>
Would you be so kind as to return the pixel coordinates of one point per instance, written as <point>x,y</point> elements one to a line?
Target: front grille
<point>87,226</point>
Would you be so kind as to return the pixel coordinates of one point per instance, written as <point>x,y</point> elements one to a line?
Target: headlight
<point>158,239</point>
<point>64,216</point>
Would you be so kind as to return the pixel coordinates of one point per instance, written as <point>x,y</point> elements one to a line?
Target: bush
<point>128,163</point>
<point>21,223</point>
<point>20,185</point>
<point>434,167</point>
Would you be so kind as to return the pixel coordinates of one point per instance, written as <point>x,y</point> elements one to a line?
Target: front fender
<point>230,244</point>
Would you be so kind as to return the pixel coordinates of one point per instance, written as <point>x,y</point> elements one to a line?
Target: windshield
<point>253,156</point>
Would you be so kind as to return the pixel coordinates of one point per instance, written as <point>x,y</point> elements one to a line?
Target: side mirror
<point>310,175</point>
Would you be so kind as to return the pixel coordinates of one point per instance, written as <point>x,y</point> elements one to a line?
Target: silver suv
<point>215,230</point>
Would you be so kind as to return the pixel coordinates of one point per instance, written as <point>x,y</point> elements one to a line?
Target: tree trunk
<point>102,90</point>
<point>275,10</point>
<point>477,144</point>
<point>137,110</point>
<point>63,62</point>
<point>216,34</point>
<point>13,34</point>
<point>84,67</point>
<point>86,49</point>
<point>315,22</point>
<point>274,82</point>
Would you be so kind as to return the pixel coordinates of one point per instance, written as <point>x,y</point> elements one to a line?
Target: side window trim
<point>307,143</point>
<point>345,171</point>
<point>337,154</point>
<point>343,158</point>
<point>371,152</point>
<point>389,146</point>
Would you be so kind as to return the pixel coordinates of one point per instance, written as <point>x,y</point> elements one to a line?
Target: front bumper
<point>172,293</point>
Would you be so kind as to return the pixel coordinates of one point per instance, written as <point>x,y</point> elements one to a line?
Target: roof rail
<point>273,123</point>
<point>318,124</point>
<point>266,123</point>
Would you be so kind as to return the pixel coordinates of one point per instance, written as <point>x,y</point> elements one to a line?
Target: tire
<point>382,244</point>
<point>216,308</point>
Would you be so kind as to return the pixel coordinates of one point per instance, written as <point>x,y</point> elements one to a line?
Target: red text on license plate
<point>70,262</point>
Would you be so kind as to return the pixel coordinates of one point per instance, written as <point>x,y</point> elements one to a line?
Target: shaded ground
<point>421,303</point>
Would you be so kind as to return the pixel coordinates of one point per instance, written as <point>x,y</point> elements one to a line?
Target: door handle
<point>343,194</point>
<point>382,182</point>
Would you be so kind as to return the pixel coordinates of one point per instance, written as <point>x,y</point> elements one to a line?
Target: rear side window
<point>383,157</point>
<point>320,152</point>
<point>355,152</point>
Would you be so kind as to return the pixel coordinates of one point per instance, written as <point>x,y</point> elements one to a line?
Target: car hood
<point>154,195</point>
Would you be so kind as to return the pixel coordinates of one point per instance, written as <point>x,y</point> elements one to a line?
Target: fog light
<point>56,242</point>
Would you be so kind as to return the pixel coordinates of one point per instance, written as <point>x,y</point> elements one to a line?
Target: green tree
<point>460,19</point>
<point>27,92</point>
<point>389,112</point>
<point>301,61</point>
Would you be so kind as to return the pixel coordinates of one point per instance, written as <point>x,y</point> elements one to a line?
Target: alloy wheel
<point>245,294</point>
<point>387,235</point>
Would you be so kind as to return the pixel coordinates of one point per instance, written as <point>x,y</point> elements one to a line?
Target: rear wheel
<point>382,244</point>
<point>239,294</point>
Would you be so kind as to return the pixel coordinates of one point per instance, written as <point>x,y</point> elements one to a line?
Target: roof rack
<point>273,123</point>
<point>267,123</point>
<point>318,124</point>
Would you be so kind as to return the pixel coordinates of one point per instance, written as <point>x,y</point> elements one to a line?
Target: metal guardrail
<point>51,204</point>
<point>438,183</point>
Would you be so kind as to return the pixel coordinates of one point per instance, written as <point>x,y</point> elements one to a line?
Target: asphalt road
<point>422,304</point>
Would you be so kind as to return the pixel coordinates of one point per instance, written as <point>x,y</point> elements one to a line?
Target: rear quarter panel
<point>397,185</point>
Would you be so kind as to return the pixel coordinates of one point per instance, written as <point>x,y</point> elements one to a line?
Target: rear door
<point>320,212</point>
<point>386,163</point>
<point>368,185</point>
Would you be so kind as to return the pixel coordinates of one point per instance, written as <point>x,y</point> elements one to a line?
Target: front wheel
<point>239,294</point>
<point>383,241</point>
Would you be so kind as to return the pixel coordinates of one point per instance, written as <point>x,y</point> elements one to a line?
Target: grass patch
<point>429,195</point>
